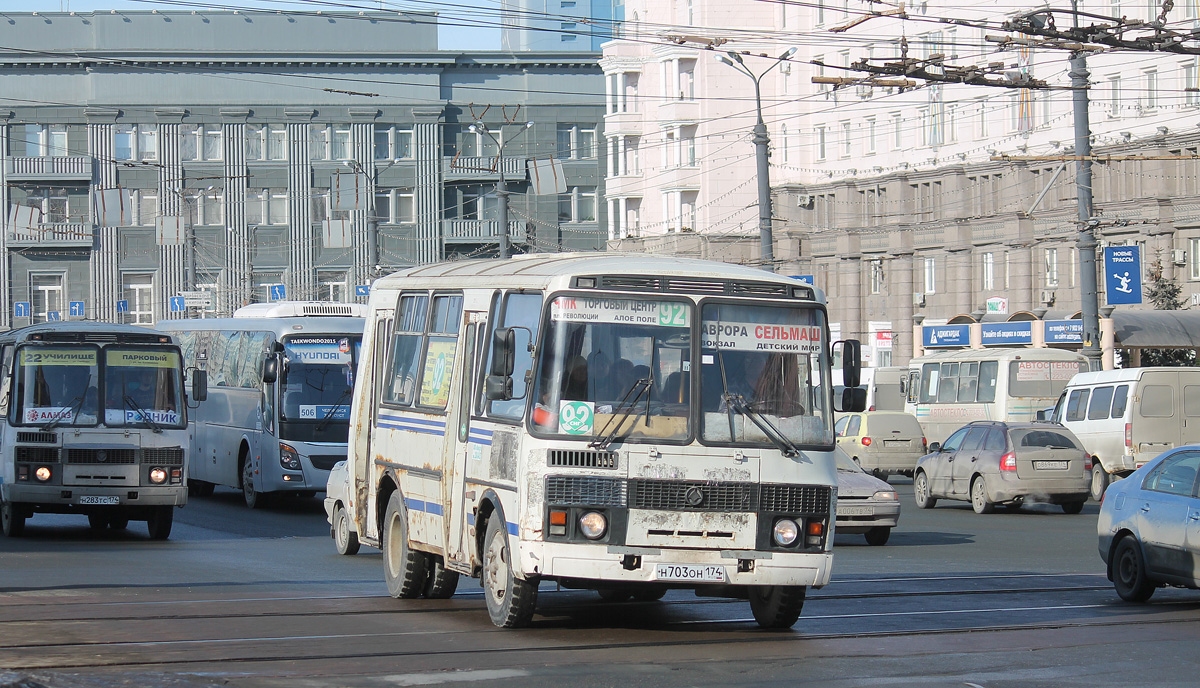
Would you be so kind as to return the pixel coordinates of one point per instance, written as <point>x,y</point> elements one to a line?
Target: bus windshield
<point>318,378</point>
<point>616,368</point>
<point>762,378</point>
<point>142,387</point>
<point>57,385</point>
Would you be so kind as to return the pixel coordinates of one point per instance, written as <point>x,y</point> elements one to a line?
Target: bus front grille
<point>688,495</point>
<point>795,499</point>
<point>37,437</point>
<point>105,456</point>
<point>37,454</point>
<point>163,456</point>
<point>583,458</point>
<point>585,490</point>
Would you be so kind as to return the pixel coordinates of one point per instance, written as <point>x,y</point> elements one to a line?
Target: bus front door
<point>461,443</point>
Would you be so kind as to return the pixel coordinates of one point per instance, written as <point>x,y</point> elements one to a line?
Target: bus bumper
<point>621,564</point>
<point>69,498</point>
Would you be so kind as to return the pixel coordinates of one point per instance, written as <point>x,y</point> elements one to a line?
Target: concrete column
<point>170,203</point>
<point>1020,284</point>
<point>104,264</point>
<point>300,278</point>
<point>235,278</point>
<point>850,297</point>
<point>430,201</point>
<point>900,306</point>
<point>5,264</point>
<point>958,277</point>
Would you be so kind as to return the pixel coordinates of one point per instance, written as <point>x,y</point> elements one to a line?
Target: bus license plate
<point>709,573</point>
<point>1050,465</point>
<point>99,499</point>
<point>854,510</point>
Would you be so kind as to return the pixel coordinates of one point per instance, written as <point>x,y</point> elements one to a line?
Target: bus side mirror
<point>271,369</point>
<point>199,385</point>
<point>851,362</point>
<point>851,400</point>
<point>498,387</point>
<point>504,352</point>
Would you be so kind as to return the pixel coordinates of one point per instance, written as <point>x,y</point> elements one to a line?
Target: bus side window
<point>383,329</point>
<point>930,372</point>
<point>987,381</point>
<point>1101,403</point>
<point>400,385</point>
<point>521,310</point>
<point>1120,399</point>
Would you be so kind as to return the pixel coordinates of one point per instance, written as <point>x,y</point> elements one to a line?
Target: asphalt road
<point>242,598</point>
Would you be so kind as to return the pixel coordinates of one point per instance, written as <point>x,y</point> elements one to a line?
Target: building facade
<point>247,169</point>
<point>557,25</point>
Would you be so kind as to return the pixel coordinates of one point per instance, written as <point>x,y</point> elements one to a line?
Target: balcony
<point>55,168</point>
<point>480,231</point>
<point>679,111</point>
<point>482,167</point>
<point>623,124</point>
<point>52,235</point>
<point>679,179</point>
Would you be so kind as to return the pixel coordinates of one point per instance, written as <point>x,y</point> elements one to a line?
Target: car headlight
<point>158,475</point>
<point>786,532</point>
<point>886,496</point>
<point>42,473</point>
<point>593,525</point>
<point>289,458</point>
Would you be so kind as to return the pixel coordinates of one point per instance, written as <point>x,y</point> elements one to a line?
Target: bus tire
<point>510,600</point>
<point>344,540</point>
<point>403,567</point>
<point>442,582</point>
<point>254,498</point>
<point>777,607</point>
<point>12,519</point>
<point>159,523</point>
<point>1100,480</point>
<point>921,492</point>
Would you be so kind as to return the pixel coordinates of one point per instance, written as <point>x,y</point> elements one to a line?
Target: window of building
<point>333,285</point>
<point>132,142</point>
<point>897,131</point>
<point>822,153</point>
<point>395,206</point>
<point>329,142</point>
<point>847,138</point>
<point>687,146</point>
<point>200,142</point>
<point>988,278</point>
<point>872,136</point>
<point>46,295</point>
<point>41,140</point>
<point>1194,258</point>
<point>146,204</point>
<point>687,79</point>
<point>266,142</point>
<point>930,275</point>
<point>137,288</point>
<point>1114,96</point>
<point>267,207</point>
<point>1148,99</point>
<point>393,143</point>
<point>577,205</point>
<point>876,268</point>
<point>576,142</point>
<point>1051,266</point>
<point>263,281</point>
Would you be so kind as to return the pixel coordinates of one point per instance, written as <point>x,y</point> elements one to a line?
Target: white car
<point>338,503</point>
<point>865,504</point>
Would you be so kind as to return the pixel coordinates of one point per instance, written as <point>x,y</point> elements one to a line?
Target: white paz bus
<point>622,423</point>
<point>93,421</point>
<point>280,379</point>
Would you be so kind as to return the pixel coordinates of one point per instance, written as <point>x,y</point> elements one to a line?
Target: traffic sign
<point>53,315</point>
<point>197,299</point>
<point>810,280</point>
<point>1123,274</point>
<point>123,306</point>
<point>21,309</point>
<point>178,305</point>
<point>362,290</point>
<point>76,309</point>
<point>278,292</point>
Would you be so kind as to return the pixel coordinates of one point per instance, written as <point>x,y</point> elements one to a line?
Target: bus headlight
<point>158,476</point>
<point>786,532</point>
<point>42,473</point>
<point>289,458</point>
<point>593,525</point>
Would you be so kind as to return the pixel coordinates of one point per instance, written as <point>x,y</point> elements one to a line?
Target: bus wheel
<point>777,606</point>
<point>345,541</point>
<point>403,567</point>
<point>442,582</point>
<point>510,600</point>
<point>254,498</point>
<point>1099,480</point>
<point>159,523</point>
<point>12,519</point>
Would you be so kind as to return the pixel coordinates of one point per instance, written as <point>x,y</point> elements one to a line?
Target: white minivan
<point>1126,417</point>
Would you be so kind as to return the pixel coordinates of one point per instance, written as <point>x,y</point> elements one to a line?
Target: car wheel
<point>979,500</point>
<point>442,582</point>
<point>345,540</point>
<point>1129,572</point>
<point>1073,507</point>
<point>777,606</point>
<point>921,492</point>
<point>404,568</point>
<point>510,600</point>
<point>1100,480</point>
<point>160,521</point>
<point>878,535</point>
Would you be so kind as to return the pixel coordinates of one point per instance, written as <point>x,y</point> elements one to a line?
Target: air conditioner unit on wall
<point>918,299</point>
<point>804,201</point>
<point>1178,256</point>
<point>1048,297</point>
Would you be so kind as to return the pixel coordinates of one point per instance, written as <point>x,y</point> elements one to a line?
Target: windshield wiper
<point>738,403</point>
<point>624,409</point>
<point>333,409</point>
<point>133,406</point>
<point>76,404</point>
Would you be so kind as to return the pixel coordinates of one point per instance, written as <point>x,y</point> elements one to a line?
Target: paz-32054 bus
<point>93,421</point>
<point>622,423</point>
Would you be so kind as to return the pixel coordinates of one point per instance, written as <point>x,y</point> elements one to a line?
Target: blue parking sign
<point>178,305</point>
<point>123,306</point>
<point>278,292</point>
<point>21,309</point>
<point>77,309</point>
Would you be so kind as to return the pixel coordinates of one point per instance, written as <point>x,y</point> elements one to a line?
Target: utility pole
<point>501,183</point>
<point>1085,242</point>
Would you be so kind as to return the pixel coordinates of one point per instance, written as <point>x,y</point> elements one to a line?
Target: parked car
<point>1128,416</point>
<point>882,442</point>
<point>338,502</point>
<point>1148,526</point>
<point>865,504</point>
<point>993,462</point>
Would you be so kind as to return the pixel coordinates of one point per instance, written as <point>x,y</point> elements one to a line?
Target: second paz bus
<point>622,423</point>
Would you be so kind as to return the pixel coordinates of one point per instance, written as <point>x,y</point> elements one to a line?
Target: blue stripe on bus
<point>431,508</point>
<point>479,440</point>
<point>510,527</point>
<point>411,428</point>
<point>431,422</point>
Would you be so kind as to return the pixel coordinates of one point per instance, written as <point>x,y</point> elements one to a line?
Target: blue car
<point>1149,526</point>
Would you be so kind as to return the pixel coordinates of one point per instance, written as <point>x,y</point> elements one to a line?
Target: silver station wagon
<point>992,462</point>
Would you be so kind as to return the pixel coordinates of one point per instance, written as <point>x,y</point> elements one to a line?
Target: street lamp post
<point>761,145</point>
<point>501,184</point>
<point>372,217</point>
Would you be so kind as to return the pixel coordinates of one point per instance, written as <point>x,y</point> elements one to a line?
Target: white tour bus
<point>280,379</point>
<point>948,389</point>
<point>94,420</point>
<point>616,422</point>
